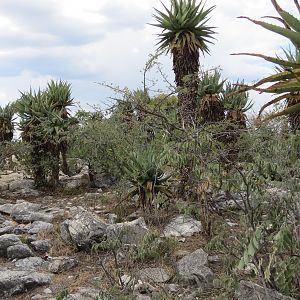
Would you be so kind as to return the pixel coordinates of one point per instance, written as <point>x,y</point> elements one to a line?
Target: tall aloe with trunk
<point>185,33</point>
<point>285,83</point>
<point>6,122</point>
<point>59,95</point>
<point>45,122</point>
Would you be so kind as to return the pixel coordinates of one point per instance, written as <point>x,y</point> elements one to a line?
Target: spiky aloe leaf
<point>289,110</point>
<point>184,25</point>
<point>293,36</point>
<point>293,22</point>
<point>281,62</point>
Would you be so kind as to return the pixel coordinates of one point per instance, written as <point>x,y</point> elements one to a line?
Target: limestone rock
<point>32,263</point>
<point>21,184</point>
<point>252,291</point>
<point>182,226</point>
<point>62,264</point>
<point>19,251</point>
<point>128,232</point>
<point>40,245</point>
<point>26,212</point>
<point>84,294</point>
<point>83,228</point>
<point>192,269</point>
<point>14,282</point>
<point>6,241</point>
<point>158,275</point>
<point>6,230</point>
<point>6,208</point>
<point>39,226</point>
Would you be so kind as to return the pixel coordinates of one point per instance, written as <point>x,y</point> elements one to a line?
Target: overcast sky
<point>89,41</point>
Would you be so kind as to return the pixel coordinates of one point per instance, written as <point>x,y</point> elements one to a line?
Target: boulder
<point>251,291</point>
<point>40,245</point>
<point>7,240</point>
<point>6,208</point>
<point>6,230</point>
<point>62,264</point>
<point>32,263</point>
<point>17,185</point>
<point>84,294</point>
<point>39,226</point>
<point>192,270</point>
<point>19,251</point>
<point>14,282</point>
<point>26,212</point>
<point>157,275</point>
<point>182,226</point>
<point>83,229</point>
<point>128,232</point>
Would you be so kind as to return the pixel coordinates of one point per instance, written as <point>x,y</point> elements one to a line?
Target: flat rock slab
<point>6,230</point>
<point>158,275</point>
<point>128,232</point>
<point>182,226</point>
<point>83,229</point>
<point>251,291</point>
<point>41,245</point>
<point>84,294</point>
<point>192,269</point>
<point>39,226</point>
<point>7,240</point>
<point>19,251</point>
<point>32,263</point>
<point>26,212</point>
<point>6,208</point>
<point>62,264</point>
<point>14,282</point>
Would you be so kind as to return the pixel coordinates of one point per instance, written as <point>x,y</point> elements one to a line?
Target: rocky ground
<point>47,249</point>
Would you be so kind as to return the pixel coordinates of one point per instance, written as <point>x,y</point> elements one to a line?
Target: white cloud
<point>93,41</point>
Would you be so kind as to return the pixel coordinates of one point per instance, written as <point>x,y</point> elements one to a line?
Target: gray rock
<point>128,232</point>
<point>252,291</point>
<point>19,251</point>
<point>112,218</point>
<point>158,275</point>
<point>39,226</point>
<point>14,282</point>
<point>92,196</point>
<point>2,218</point>
<point>84,294</point>
<point>26,212</point>
<point>6,230</point>
<point>182,226</point>
<point>6,208</point>
<point>21,184</point>
<point>4,186</point>
<point>192,270</point>
<point>143,290</point>
<point>27,192</point>
<point>6,241</point>
<point>83,229</point>
<point>32,263</point>
<point>62,264</point>
<point>41,245</point>
<point>21,229</point>
<point>171,287</point>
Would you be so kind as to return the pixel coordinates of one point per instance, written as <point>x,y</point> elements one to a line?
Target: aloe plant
<point>185,33</point>
<point>286,80</point>
<point>45,122</point>
<point>144,170</point>
<point>7,122</point>
<point>210,87</point>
